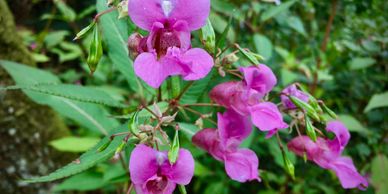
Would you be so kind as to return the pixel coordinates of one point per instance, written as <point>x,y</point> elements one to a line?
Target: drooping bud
<point>134,44</point>
<point>310,129</point>
<point>329,111</point>
<point>229,59</point>
<point>288,165</point>
<point>84,31</point>
<point>95,50</point>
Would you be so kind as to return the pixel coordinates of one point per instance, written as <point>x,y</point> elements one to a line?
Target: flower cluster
<point>246,98</point>
<point>167,51</point>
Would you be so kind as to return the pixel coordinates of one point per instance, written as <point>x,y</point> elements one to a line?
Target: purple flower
<point>266,117</point>
<point>223,144</point>
<point>244,98</point>
<point>292,91</point>
<point>152,173</point>
<point>327,154</point>
<point>260,78</point>
<point>167,50</point>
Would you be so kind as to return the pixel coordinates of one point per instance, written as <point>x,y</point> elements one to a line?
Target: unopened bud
<point>229,59</point>
<point>134,44</point>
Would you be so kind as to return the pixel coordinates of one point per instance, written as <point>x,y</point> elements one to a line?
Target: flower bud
<point>310,129</point>
<point>95,50</point>
<point>134,44</point>
<point>174,149</point>
<point>229,59</point>
<point>288,165</point>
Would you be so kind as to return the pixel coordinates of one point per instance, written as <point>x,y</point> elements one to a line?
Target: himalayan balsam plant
<point>164,60</point>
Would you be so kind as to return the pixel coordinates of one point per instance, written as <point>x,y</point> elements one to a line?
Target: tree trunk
<point>25,127</point>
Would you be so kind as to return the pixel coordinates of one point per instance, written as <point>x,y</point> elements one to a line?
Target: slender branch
<point>104,12</point>
<point>201,104</point>
<point>150,111</point>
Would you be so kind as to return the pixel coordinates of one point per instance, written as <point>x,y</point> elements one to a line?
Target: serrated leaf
<point>91,116</point>
<point>115,34</point>
<point>377,101</point>
<point>72,92</point>
<point>86,181</point>
<point>74,144</point>
<point>86,160</point>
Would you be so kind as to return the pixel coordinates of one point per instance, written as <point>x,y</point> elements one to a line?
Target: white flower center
<point>160,158</point>
<point>167,7</point>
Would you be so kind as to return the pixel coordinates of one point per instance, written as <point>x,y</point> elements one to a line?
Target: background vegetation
<point>337,48</point>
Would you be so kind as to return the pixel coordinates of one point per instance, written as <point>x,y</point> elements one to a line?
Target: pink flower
<point>223,144</point>
<point>292,91</point>
<point>167,50</point>
<point>259,78</point>
<point>266,117</point>
<point>244,98</point>
<point>152,173</point>
<point>327,154</point>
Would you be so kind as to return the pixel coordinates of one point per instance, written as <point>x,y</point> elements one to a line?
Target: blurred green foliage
<point>337,49</point>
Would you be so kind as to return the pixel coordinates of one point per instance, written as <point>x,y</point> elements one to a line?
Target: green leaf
<point>222,26</point>
<point>197,89</point>
<point>377,101</point>
<point>296,23</point>
<point>276,9</point>
<point>379,173</point>
<point>67,12</point>
<point>263,46</point>
<point>353,124</point>
<point>86,181</point>
<point>72,92</point>
<point>361,63</point>
<point>249,55</point>
<point>91,116</point>
<point>189,130</point>
<point>55,38</point>
<point>74,144</point>
<point>86,160</point>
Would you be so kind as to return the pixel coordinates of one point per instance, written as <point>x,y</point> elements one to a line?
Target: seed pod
<point>84,31</point>
<point>329,111</point>
<point>310,129</point>
<point>95,50</point>
<point>306,107</point>
<point>288,165</point>
<point>132,125</point>
<point>174,149</point>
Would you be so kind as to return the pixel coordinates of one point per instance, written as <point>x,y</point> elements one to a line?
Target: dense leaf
<point>74,144</point>
<point>275,10</point>
<point>379,174</point>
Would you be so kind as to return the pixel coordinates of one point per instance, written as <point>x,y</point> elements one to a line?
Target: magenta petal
<point>142,164</point>
<point>145,13</point>
<point>266,117</point>
<point>260,78</point>
<point>292,91</point>
<point>242,165</point>
<point>233,126</point>
<point>348,175</point>
<point>182,171</point>
<point>194,13</point>
<point>199,63</point>
<point>209,140</point>
<point>234,95</point>
<point>341,132</point>
<point>154,72</point>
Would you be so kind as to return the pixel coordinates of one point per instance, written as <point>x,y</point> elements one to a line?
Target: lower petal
<point>199,63</point>
<point>154,71</point>
<point>242,165</point>
<point>266,117</point>
<point>347,174</point>
<point>182,171</point>
<point>209,140</point>
<point>142,164</point>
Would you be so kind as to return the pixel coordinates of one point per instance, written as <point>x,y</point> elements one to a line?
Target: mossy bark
<point>25,127</point>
